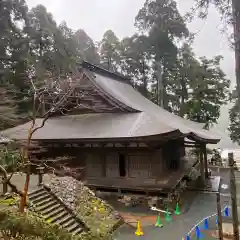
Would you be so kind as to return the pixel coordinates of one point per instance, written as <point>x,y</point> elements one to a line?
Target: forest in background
<point>33,47</point>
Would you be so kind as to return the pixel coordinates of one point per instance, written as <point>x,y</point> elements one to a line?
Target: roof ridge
<point>97,69</point>
<point>107,94</point>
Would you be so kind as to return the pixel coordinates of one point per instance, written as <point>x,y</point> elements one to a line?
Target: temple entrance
<point>172,154</point>
<point>173,163</point>
<point>122,165</point>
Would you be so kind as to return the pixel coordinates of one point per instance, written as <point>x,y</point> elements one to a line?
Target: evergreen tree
<point>234,115</point>
<point>67,49</point>
<point>136,61</point>
<point>230,15</point>
<point>14,52</point>
<point>109,50</point>
<point>43,32</point>
<point>196,88</point>
<point>161,21</point>
<point>39,47</point>
<point>209,91</point>
<point>85,47</point>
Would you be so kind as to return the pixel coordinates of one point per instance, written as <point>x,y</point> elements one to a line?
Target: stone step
<point>69,223</point>
<point>73,227</point>
<point>41,199</point>
<point>64,220</point>
<point>45,204</point>
<point>54,211</point>
<point>36,192</point>
<point>76,231</point>
<point>34,195</point>
<point>51,209</point>
<point>59,216</point>
<point>38,196</point>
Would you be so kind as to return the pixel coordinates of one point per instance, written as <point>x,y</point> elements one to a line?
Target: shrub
<point>14,225</point>
<point>9,156</point>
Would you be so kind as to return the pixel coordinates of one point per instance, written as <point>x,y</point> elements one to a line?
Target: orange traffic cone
<point>139,231</point>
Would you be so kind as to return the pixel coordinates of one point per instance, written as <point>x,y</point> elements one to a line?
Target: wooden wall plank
<point>112,169</point>
<point>93,165</point>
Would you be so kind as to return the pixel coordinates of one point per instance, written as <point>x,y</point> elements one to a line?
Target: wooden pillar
<point>219,212</point>
<point>202,167</point>
<point>104,164</point>
<point>233,197</point>
<point>204,150</point>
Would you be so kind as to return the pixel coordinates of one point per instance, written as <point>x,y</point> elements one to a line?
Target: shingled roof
<point>147,119</point>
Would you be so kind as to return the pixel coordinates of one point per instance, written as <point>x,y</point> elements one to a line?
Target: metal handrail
<point>208,217</point>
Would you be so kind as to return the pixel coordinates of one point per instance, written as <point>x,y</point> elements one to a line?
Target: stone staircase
<point>53,210</point>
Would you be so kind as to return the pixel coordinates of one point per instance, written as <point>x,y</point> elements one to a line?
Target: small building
<point>125,142</point>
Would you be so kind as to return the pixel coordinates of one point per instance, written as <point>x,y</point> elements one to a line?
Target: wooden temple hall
<point>125,142</point>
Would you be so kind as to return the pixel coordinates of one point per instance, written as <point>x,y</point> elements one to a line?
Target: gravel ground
<point>66,188</point>
<point>99,216</point>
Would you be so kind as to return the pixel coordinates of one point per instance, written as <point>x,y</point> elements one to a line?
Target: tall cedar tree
<point>161,21</point>
<point>33,46</point>
<point>208,91</point>
<point>230,14</point>
<point>136,58</point>
<point>234,115</point>
<point>14,53</point>
<point>86,47</point>
<point>109,50</point>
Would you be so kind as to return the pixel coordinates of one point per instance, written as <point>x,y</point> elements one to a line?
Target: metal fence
<point>208,223</point>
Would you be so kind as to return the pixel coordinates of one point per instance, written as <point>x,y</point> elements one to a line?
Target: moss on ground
<point>9,201</point>
<point>99,216</point>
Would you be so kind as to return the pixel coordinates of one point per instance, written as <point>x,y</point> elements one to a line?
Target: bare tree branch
<point>58,104</point>
<point>6,180</point>
<point>60,97</point>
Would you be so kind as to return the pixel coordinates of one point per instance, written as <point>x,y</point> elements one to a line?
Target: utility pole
<point>233,197</point>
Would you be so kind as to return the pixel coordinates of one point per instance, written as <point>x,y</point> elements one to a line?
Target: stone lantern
<point>40,175</point>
